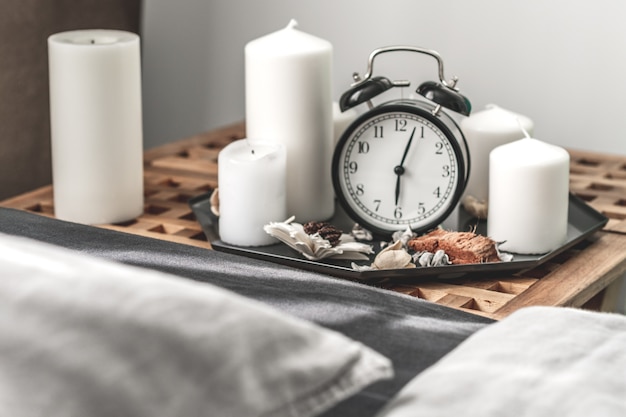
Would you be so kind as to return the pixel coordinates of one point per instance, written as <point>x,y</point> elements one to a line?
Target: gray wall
<point>560,62</point>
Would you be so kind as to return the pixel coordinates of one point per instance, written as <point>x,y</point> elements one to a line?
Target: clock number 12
<point>400,125</point>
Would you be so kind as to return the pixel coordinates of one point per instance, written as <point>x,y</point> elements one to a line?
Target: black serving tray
<point>583,221</point>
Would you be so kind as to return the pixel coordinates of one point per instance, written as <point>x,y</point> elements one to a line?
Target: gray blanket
<point>413,333</point>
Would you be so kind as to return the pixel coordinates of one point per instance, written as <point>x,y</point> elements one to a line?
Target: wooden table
<point>183,169</point>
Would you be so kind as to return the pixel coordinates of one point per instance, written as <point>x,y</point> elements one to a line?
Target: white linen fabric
<point>540,361</point>
<point>81,336</point>
<point>412,333</point>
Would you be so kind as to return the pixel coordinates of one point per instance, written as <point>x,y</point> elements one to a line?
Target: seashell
<point>440,258</point>
<point>426,259</point>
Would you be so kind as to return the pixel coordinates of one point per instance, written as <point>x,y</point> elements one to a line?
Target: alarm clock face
<point>398,166</point>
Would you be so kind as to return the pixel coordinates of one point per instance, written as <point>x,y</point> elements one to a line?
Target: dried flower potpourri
<point>313,246</point>
<point>437,248</point>
<point>319,240</point>
<point>460,247</point>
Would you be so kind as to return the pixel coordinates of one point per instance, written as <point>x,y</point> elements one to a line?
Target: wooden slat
<point>577,280</point>
<point>600,180</point>
<point>162,236</point>
<point>215,139</point>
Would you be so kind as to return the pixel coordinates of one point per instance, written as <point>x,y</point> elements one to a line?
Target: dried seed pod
<point>325,230</point>
<point>461,247</point>
<point>312,227</point>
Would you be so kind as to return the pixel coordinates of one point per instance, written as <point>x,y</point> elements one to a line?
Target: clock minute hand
<point>406,149</point>
<point>399,169</point>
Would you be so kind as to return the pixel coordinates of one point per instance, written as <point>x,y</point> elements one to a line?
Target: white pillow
<point>539,361</point>
<point>81,336</point>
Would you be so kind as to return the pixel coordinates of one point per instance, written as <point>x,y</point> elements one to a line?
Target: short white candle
<point>528,196</point>
<point>251,180</point>
<point>96,126</point>
<point>341,120</point>
<point>288,77</point>
<point>484,131</point>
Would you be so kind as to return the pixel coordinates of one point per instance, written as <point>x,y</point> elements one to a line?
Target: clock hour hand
<point>399,169</point>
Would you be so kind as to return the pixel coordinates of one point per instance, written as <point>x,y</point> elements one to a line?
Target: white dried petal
<point>362,268</point>
<point>403,236</point>
<point>314,247</point>
<point>214,201</point>
<point>504,256</point>
<point>360,233</point>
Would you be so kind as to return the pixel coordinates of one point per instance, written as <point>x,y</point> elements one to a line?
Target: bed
<point>95,322</point>
<point>102,323</point>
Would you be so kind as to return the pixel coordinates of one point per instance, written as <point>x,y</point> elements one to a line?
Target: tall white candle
<point>288,77</point>
<point>528,196</point>
<point>251,180</point>
<point>484,131</point>
<point>96,126</point>
<point>341,120</point>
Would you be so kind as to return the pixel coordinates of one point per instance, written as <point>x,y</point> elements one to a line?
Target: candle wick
<point>250,146</point>
<point>93,41</point>
<point>292,24</point>
<point>526,134</point>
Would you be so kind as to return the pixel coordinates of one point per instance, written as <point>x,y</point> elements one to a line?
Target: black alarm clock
<point>404,163</point>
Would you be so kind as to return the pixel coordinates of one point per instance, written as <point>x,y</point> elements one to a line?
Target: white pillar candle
<point>288,101</point>
<point>341,120</point>
<point>528,196</point>
<point>96,126</point>
<point>251,180</point>
<point>484,131</point>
